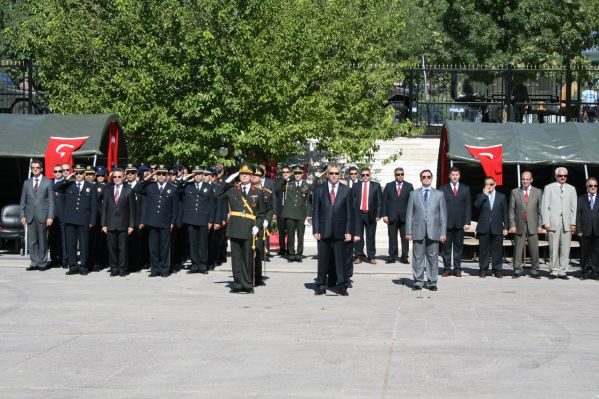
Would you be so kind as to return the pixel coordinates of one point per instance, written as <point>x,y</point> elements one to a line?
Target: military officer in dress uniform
<point>80,215</point>
<point>90,174</point>
<point>198,209</point>
<point>217,250</point>
<point>97,240</point>
<point>247,210</point>
<point>262,233</point>
<point>296,210</point>
<point>159,216</point>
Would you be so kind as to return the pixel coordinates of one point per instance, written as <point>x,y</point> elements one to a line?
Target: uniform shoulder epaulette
<point>267,190</point>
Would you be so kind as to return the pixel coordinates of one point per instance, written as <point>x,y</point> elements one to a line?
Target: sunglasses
<point>117,177</point>
<point>334,173</point>
<point>131,173</point>
<point>491,184</point>
<point>79,173</point>
<point>592,185</point>
<point>58,171</point>
<point>399,174</point>
<point>35,167</point>
<point>564,176</point>
<point>353,173</point>
<point>66,170</point>
<point>426,177</point>
<point>161,174</point>
<point>285,172</point>
<point>365,174</point>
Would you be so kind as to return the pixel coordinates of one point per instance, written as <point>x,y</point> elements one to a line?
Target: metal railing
<point>20,90</point>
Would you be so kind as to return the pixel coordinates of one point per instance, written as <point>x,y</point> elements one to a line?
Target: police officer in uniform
<point>247,210</point>
<point>296,210</point>
<point>197,213</point>
<point>159,216</point>
<point>262,235</point>
<point>80,214</point>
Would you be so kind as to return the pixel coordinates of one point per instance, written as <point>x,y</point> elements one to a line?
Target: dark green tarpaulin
<point>525,143</point>
<point>27,136</point>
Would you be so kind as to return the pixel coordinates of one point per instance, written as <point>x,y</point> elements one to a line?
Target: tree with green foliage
<point>262,77</point>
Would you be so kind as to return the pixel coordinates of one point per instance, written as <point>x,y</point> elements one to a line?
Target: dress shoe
<point>563,277</point>
<point>404,260</point>
<point>236,290</point>
<point>416,288</point>
<point>123,274</point>
<point>498,275</point>
<point>372,261</point>
<point>432,288</point>
<point>203,271</point>
<point>535,275</point>
<point>445,274</point>
<point>482,274</point>
<point>552,277</point>
<point>44,268</point>
<point>350,285</point>
<point>516,275</point>
<point>457,274</point>
<point>32,268</point>
<point>154,274</point>
<point>391,260</point>
<point>587,276</point>
<point>249,291</point>
<point>83,272</point>
<point>357,261</point>
<point>343,291</point>
<point>165,275</point>
<point>193,271</point>
<point>71,272</point>
<point>113,274</point>
<point>320,291</point>
<point>260,283</point>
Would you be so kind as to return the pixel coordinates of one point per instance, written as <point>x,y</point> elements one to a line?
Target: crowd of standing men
<point>158,218</point>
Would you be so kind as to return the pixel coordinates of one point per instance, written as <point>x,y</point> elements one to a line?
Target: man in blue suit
<point>492,226</point>
<point>332,223</point>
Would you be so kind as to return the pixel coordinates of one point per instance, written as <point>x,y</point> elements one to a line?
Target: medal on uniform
<point>87,190</point>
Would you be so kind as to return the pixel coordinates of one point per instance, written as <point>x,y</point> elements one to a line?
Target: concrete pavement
<point>187,337</point>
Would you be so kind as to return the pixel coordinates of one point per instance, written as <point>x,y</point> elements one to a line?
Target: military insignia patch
<point>87,190</point>
<point>168,191</point>
<point>205,190</point>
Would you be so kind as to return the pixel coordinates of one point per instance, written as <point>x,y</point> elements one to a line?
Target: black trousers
<point>159,241</point>
<point>144,247</point>
<point>370,228</point>
<point>180,247</point>
<point>76,234</point>
<point>222,246</point>
<point>118,243</point>
<point>198,247</point>
<point>57,243</point>
<point>213,248</point>
<point>589,254</point>
<point>490,245</point>
<point>455,241</point>
<point>392,230</point>
<point>260,256</point>
<point>97,248</point>
<point>242,263</point>
<point>282,225</point>
<point>336,251</point>
<point>135,260</point>
<point>295,228</point>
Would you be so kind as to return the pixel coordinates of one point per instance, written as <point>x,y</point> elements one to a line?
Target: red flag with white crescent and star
<point>60,150</point>
<point>113,146</point>
<point>491,159</point>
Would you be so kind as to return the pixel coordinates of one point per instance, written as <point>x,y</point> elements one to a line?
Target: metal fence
<point>20,89</point>
<point>431,95</point>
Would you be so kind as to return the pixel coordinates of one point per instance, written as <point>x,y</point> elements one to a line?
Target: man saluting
<point>246,213</point>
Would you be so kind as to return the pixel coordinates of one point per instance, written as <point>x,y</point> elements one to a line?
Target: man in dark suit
<point>198,214</point>
<point>281,190</point>
<point>492,226</point>
<point>333,222</point>
<point>80,215</point>
<point>37,213</point>
<point>159,216</point>
<point>587,228</point>
<point>395,204</point>
<point>368,202</point>
<point>118,222</point>
<point>459,215</point>
<point>56,241</point>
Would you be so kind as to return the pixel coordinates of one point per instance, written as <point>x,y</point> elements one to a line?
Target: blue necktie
<point>426,197</point>
<point>491,199</point>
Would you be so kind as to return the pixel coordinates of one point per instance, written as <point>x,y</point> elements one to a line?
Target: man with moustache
<point>395,205</point>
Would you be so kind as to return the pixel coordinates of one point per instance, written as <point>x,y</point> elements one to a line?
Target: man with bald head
<point>525,223</point>
<point>558,212</point>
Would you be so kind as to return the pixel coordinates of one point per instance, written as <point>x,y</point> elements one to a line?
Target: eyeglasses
<point>365,174</point>
<point>58,171</point>
<point>117,177</point>
<point>334,173</point>
<point>36,167</point>
<point>592,185</point>
<point>426,177</point>
<point>564,176</point>
<point>399,174</point>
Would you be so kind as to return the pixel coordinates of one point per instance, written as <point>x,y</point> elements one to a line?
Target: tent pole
<point>451,163</point>
<point>95,159</point>
<point>25,241</point>
<point>518,166</point>
<point>586,171</point>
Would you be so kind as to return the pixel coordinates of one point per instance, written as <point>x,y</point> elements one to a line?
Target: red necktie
<point>398,190</point>
<point>455,191</point>
<point>333,195</point>
<point>117,192</point>
<point>526,201</point>
<point>364,206</point>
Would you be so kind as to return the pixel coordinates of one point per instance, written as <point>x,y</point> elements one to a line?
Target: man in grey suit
<point>558,213</point>
<point>37,213</point>
<point>426,226</point>
<point>525,223</point>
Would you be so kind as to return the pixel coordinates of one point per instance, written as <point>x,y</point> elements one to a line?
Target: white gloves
<point>265,224</point>
<point>232,177</point>
<point>255,230</point>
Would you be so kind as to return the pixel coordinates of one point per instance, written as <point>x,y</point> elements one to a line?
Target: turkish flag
<point>60,150</point>
<point>113,146</point>
<point>491,159</point>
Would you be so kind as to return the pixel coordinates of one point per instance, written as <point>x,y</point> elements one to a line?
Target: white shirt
<point>161,186</point>
<point>39,181</point>
<point>246,188</point>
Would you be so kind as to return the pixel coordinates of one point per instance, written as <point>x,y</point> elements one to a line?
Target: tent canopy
<point>27,136</point>
<point>538,143</point>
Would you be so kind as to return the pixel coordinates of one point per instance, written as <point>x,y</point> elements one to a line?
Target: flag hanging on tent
<point>491,159</point>
<point>113,146</point>
<point>60,150</point>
